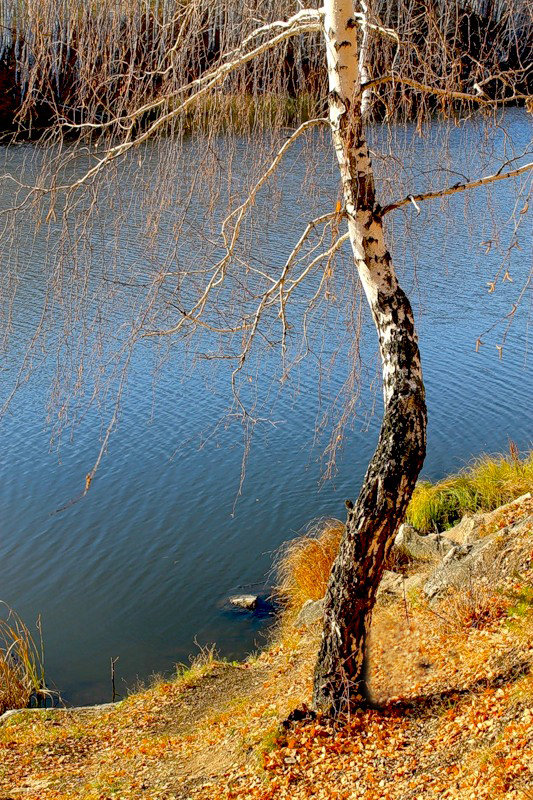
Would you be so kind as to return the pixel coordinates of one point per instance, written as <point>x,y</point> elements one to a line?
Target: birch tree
<point>347,37</point>
<point>389,482</point>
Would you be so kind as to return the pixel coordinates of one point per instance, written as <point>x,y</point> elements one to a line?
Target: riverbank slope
<point>452,683</point>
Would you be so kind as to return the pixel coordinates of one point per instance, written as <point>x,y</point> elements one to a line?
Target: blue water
<point>141,568</point>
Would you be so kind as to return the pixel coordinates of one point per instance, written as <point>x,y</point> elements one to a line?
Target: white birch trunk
<point>364,75</point>
<point>340,679</point>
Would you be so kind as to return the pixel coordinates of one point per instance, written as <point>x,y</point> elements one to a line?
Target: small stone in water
<point>248,601</point>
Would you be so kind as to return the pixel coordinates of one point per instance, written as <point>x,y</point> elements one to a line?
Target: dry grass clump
<point>199,665</point>
<point>21,663</point>
<point>304,564</point>
<point>489,482</point>
<point>476,606</point>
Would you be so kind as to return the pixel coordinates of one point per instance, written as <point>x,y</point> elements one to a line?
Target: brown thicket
<point>81,61</point>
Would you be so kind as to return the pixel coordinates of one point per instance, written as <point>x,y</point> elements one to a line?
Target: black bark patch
<point>340,681</point>
<point>375,216</point>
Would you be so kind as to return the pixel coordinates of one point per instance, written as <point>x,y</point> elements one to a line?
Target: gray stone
<point>393,585</point>
<point>310,612</point>
<point>457,569</point>
<point>467,531</point>
<point>457,552</point>
<point>490,557</point>
<point>410,543</point>
<point>247,601</point>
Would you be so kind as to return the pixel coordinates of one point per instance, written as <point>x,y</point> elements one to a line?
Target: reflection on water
<point>142,567</point>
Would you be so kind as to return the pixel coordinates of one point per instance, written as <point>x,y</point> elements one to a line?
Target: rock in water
<point>247,601</point>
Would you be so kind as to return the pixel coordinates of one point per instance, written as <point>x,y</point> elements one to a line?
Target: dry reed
<point>21,663</point>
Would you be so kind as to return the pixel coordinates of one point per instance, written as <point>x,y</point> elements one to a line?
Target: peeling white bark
<point>365,227</point>
<point>364,75</point>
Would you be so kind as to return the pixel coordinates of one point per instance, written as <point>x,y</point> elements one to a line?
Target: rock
<point>457,568</point>
<point>393,585</point>
<point>457,552</point>
<point>491,557</point>
<point>310,612</point>
<point>410,543</point>
<point>247,601</point>
<point>467,531</point>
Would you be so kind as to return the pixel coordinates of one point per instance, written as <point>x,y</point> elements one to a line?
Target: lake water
<point>142,567</point>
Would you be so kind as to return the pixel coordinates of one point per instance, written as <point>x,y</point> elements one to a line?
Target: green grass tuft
<point>486,484</point>
<point>304,564</point>
<point>522,602</point>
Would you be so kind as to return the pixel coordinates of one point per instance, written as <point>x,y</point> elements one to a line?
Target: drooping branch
<point>305,21</point>
<point>241,210</point>
<point>326,254</point>
<point>278,288</point>
<point>450,94</point>
<point>303,17</point>
<point>276,283</point>
<point>389,33</point>
<point>194,314</point>
<point>206,83</point>
<point>457,187</point>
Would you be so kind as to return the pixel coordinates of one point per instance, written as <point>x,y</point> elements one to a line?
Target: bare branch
<point>326,254</point>
<point>304,16</point>
<point>361,18</point>
<point>452,95</point>
<point>219,270</point>
<point>305,21</point>
<point>240,210</point>
<point>207,83</point>
<point>458,187</point>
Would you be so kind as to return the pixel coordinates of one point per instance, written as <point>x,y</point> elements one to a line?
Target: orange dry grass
<point>305,563</point>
